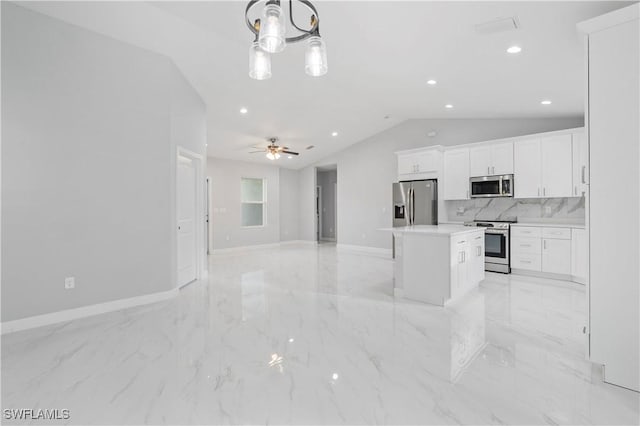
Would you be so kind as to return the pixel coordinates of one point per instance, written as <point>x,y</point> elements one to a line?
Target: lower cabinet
<point>579,255</point>
<point>543,249</point>
<point>467,266</point>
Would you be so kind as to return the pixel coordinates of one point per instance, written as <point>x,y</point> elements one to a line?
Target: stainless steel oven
<point>496,245</point>
<point>491,186</point>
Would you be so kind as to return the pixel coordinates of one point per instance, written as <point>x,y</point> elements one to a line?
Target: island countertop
<point>435,230</point>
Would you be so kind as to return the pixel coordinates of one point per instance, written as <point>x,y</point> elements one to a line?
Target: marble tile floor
<point>312,335</point>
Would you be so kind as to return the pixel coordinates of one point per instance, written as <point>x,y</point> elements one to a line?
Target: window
<point>252,197</point>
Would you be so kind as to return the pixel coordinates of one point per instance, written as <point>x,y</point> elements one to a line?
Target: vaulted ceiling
<point>380,56</point>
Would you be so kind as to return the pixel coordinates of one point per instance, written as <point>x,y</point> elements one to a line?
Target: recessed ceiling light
<point>334,134</point>
<point>449,106</point>
<point>546,102</point>
<point>514,49</point>
<point>243,110</point>
<point>432,82</point>
<point>335,376</point>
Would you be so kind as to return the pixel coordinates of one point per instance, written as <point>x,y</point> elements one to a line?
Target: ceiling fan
<point>273,151</point>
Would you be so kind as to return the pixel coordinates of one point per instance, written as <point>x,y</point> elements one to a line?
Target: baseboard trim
<point>261,246</point>
<point>546,275</point>
<point>84,311</point>
<point>375,251</point>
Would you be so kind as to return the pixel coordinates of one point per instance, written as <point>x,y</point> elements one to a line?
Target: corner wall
<point>90,127</point>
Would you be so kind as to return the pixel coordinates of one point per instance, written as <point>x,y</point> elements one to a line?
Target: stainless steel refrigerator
<point>414,203</point>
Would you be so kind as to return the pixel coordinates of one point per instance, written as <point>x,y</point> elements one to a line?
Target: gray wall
<point>326,180</point>
<point>367,169</point>
<point>226,231</point>
<point>289,215</point>
<point>89,131</point>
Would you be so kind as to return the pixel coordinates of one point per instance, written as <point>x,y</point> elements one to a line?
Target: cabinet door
<point>527,169</point>
<point>557,170</point>
<point>456,174</point>
<point>579,255</point>
<point>426,161</point>
<point>480,161</point>
<point>580,157</point>
<point>502,158</point>
<point>556,256</point>
<point>406,164</point>
<point>477,256</point>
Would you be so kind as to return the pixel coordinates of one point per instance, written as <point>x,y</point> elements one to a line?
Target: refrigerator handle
<point>413,206</point>
<point>409,206</point>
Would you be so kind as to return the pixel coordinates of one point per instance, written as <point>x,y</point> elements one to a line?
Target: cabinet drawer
<point>557,233</point>
<point>530,262</point>
<point>526,231</point>
<point>526,245</point>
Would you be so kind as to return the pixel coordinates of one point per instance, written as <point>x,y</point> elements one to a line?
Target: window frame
<point>263,202</point>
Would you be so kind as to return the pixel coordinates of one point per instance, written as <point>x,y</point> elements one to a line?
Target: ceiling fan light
<point>315,57</point>
<point>270,156</point>
<point>272,29</point>
<point>276,155</point>
<point>259,62</point>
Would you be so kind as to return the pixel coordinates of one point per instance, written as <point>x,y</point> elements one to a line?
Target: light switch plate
<point>69,283</point>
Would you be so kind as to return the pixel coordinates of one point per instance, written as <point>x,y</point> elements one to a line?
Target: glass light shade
<point>272,29</point>
<point>270,156</point>
<point>277,155</point>
<point>315,57</point>
<point>259,62</point>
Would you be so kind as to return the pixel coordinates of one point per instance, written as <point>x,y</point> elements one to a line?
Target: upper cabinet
<point>493,159</point>
<point>543,167</point>
<point>580,164</point>
<point>456,174</point>
<point>419,163</point>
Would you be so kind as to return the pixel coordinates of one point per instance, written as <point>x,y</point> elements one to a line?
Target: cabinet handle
<point>544,191</point>
<point>544,244</point>
<point>538,192</point>
<point>583,174</point>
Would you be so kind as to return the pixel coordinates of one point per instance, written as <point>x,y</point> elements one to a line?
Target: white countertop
<point>550,224</point>
<point>437,230</point>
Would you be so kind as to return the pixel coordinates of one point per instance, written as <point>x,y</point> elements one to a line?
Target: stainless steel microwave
<point>491,186</point>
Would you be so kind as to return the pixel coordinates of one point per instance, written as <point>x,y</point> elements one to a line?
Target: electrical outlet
<point>547,209</point>
<point>69,283</point>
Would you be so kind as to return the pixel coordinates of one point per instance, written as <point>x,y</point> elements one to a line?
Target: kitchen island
<point>437,264</point>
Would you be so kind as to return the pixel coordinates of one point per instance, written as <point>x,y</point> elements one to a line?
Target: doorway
<point>326,203</point>
<point>190,217</point>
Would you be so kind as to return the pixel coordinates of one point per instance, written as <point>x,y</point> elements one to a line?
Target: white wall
<point>367,170</point>
<point>226,231</point>
<point>289,215</point>
<point>89,130</point>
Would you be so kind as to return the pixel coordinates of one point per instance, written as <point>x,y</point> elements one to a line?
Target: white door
<point>527,169</point>
<point>502,158</point>
<point>456,174</point>
<point>479,161</point>
<point>556,256</point>
<point>186,212</point>
<point>557,171</point>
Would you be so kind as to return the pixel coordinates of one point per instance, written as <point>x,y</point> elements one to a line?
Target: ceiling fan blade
<point>290,152</point>
<point>254,152</point>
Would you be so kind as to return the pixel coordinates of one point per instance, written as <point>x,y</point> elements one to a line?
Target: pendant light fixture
<point>270,37</point>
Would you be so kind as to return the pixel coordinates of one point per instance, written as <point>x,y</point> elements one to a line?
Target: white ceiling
<point>380,56</point>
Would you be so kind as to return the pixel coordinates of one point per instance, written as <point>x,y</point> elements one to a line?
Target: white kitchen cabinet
<point>460,261</point>
<point>420,163</point>
<point>580,154</point>
<point>456,174</point>
<point>492,159</point>
<point>543,167</point>
<point>557,170</point>
<point>556,256</point>
<point>527,169</point>
<point>541,249</point>
<point>579,255</point>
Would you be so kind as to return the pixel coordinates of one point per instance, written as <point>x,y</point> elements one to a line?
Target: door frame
<point>200,213</point>
<point>318,213</point>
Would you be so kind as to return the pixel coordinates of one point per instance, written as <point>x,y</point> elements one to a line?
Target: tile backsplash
<point>509,208</point>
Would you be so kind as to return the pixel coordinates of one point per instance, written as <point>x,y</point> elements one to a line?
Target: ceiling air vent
<point>498,25</point>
